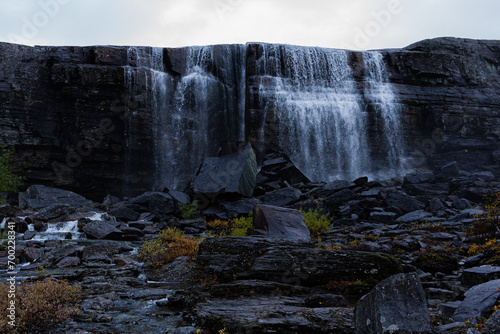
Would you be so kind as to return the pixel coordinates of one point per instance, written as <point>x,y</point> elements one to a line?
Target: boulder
<point>383,217</point>
<point>72,261</point>
<point>273,314</point>
<point>395,305</point>
<point>419,177</point>
<point>281,222</point>
<point>435,205</point>
<point>238,208</point>
<point>32,253</point>
<point>415,216</point>
<point>159,203</point>
<point>108,248</point>
<point>403,202</point>
<point>234,173</point>
<point>102,230</point>
<point>332,187</point>
<point>124,213</point>
<point>477,275</point>
<point>179,197</point>
<point>52,213</point>
<point>492,325</point>
<point>281,197</point>
<point>332,202</point>
<point>290,262</point>
<point>478,302</point>
<point>427,189</point>
<point>451,169</point>
<point>39,197</point>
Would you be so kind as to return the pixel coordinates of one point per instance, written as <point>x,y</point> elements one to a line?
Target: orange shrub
<point>170,244</point>
<point>39,306</point>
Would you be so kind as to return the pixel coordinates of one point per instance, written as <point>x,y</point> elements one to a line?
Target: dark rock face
<point>478,302</point>
<point>101,230</point>
<point>37,197</point>
<point>233,173</point>
<point>78,122</point>
<point>281,223</point>
<point>396,305</point>
<point>290,262</point>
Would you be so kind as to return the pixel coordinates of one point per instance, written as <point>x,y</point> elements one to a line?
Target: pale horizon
<point>354,25</point>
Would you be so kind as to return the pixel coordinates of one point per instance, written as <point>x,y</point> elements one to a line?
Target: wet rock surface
<point>266,284</point>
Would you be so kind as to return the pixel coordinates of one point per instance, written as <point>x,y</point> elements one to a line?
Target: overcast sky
<point>351,24</point>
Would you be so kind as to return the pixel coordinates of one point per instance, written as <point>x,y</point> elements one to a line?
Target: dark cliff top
<point>452,45</point>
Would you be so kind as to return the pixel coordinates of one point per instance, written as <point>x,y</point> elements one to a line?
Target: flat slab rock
<point>275,314</point>
<point>289,261</point>
<point>281,222</point>
<point>478,275</point>
<point>478,302</point>
<point>38,197</point>
<point>395,305</point>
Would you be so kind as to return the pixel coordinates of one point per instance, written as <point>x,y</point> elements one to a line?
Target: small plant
<point>316,222</point>
<point>170,244</point>
<point>352,287</point>
<point>427,226</point>
<point>487,225</point>
<point>236,227</point>
<point>189,210</point>
<point>39,306</point>
<point>9,181</point>
<point>221,226</point>
<point>241,225</point>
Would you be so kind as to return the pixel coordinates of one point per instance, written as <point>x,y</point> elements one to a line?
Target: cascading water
<point>382,97</point>
<point>319,110</point>
<point>194,109</point>
<point>321,115</point>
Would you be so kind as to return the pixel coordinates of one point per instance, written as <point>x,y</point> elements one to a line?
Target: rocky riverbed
<point>403,239</point>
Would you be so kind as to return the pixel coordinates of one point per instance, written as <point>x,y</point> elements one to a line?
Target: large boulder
<point>281,222</point>
<point>39,197</point>
<point>478,302</point>
<point>161,204</point>
<point>290,262</point>
<point>272,314</point>
<point>231,173</point>
<point>102,230</point>
<point>281,197</point>
<point>477,275</point>
<point>492,326</point>
<point>395,305</point>
<point>403,202</point>
<point>415,216</point>
<point>419,177</point>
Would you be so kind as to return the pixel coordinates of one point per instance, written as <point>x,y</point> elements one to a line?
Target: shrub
<point>39,306</point>
<point>9,181</point>
<point>189,210</point>
<point>487,225</point>
<point>236,227</point>
<point>316,222</point>
<point>170,244</point>
<point>241,225</point>
<point>221,226</point>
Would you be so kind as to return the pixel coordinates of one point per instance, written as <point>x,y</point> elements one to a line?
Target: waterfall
<point>319,110</point>
<point>322,118</point>
<point>383,99</point>
<point>193,107</point>
<point>307,102</point>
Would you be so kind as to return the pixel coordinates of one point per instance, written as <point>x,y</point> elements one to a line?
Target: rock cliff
<point>87,118</point>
